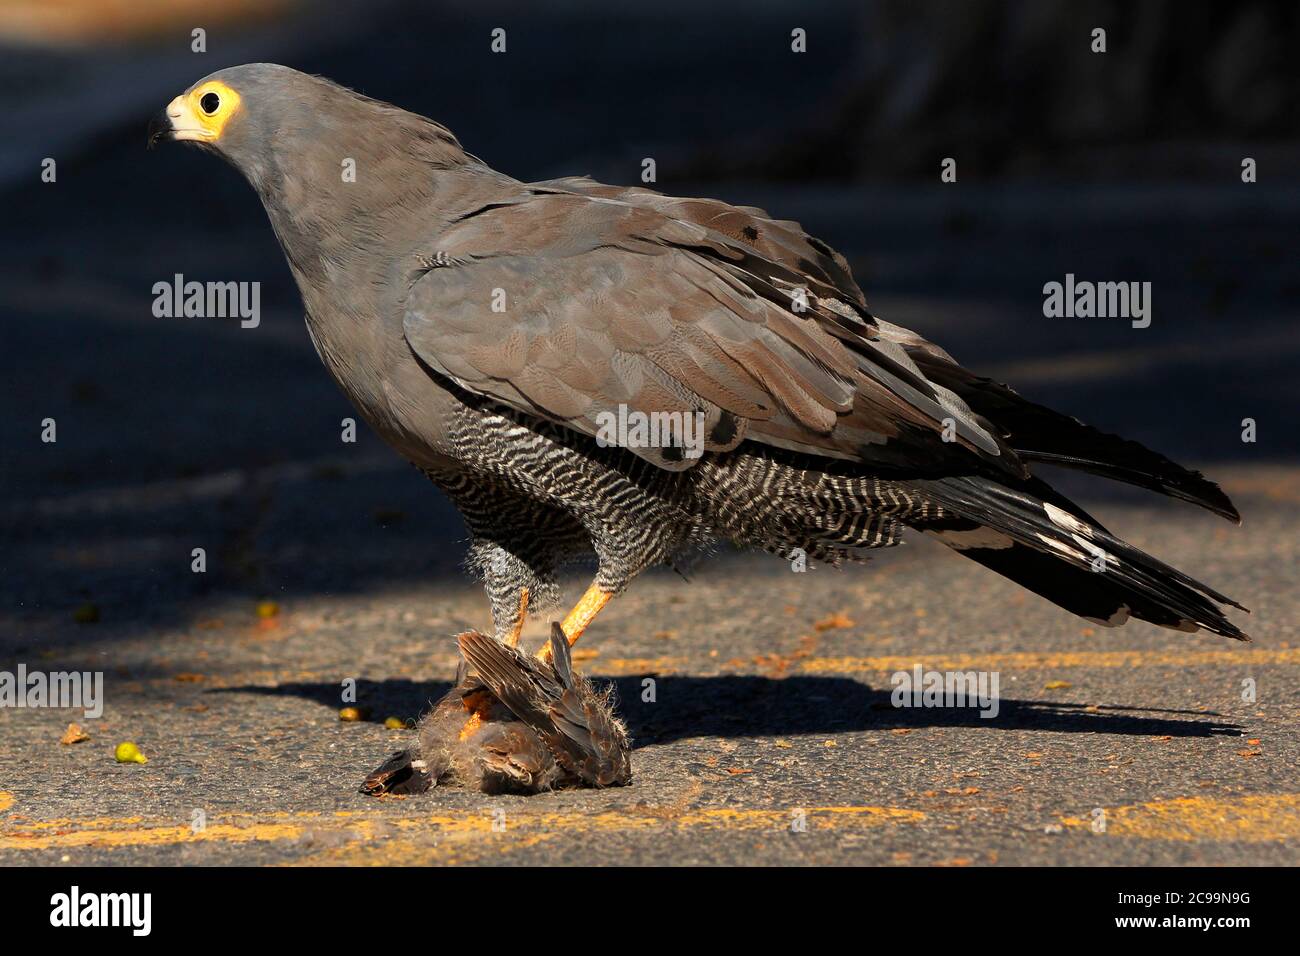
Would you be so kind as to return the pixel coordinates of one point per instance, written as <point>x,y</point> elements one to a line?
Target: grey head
<point>280,127</point>
<point>350,184</point>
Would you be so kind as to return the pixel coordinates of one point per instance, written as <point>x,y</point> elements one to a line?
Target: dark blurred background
<point>177,433</point>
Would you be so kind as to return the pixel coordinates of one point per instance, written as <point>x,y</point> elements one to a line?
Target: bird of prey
<point>491,330</point>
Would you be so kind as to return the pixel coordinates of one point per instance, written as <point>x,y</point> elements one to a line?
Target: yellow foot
<point>477,704</point>
<point>577,620</point>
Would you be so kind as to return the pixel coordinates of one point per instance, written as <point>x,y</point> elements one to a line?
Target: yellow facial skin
<point>191,121</point>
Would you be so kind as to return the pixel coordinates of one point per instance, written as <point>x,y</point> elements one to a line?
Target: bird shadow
<point>750,705</point>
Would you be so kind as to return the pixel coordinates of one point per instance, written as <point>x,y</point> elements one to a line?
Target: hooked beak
<point>160,128</point>
<point>177,122</point>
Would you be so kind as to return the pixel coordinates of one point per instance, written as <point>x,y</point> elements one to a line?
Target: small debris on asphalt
<point>129,753</point>
<point>74,735</point>
<point>834,621</point>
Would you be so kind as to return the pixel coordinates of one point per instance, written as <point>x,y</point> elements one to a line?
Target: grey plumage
<point>482,326</point>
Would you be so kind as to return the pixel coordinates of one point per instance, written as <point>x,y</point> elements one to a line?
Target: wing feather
<point>569,305</point>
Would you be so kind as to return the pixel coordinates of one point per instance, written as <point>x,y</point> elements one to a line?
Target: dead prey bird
<point>591,369</point>
<point>513,724</point>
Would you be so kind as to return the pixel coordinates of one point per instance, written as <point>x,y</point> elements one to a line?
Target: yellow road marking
<point>6,800</point>
<point>466,836</point>
<point>150,836</point>
<point>1253,819</point>
<point>246,828</point>
<point>532,830</point>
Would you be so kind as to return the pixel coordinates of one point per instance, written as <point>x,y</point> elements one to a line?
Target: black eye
<point>210,103</point>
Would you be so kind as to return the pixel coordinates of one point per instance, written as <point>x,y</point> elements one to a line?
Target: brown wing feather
<point>610,303</point>
<point>567,714</point>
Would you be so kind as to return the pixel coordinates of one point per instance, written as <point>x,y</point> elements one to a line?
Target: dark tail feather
<point>1050,546</point>
<point>1042,435</point>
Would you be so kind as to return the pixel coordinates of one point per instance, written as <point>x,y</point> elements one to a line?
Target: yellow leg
<point>577,620</point>
<point>512,639</point>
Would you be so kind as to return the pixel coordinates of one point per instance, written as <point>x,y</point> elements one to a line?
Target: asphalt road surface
<point>770,736</point>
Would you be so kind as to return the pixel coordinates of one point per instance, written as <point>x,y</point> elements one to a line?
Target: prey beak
<point>160,128</point>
